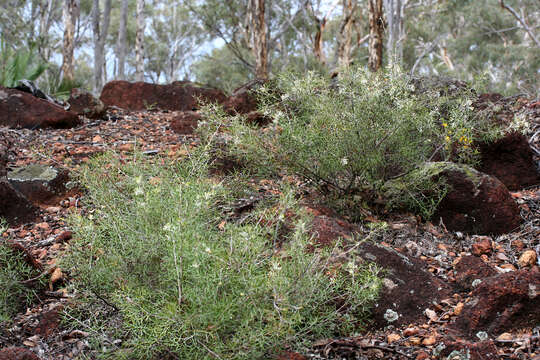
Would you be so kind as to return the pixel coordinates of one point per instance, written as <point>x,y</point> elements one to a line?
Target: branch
<point>521,21</point>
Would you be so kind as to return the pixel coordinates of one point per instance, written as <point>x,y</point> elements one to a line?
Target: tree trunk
<point>346,33</point>
<point>318,42</point>
<point>394,15</point>
<point>121,46</point>
<point>70,15</point>
<point>99,41</point>
<point>139,42</point>
<point>376,27</point>
<point>258,38</point>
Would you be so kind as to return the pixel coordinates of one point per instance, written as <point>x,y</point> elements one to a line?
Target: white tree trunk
<point>259,37</point>
<point>100,35</point>
<point>139,42</point>
<point>121,46</point>
<point>396,31</point>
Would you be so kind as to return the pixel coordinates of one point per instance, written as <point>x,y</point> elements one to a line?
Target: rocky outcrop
<point>177,96</point>
<point>502,302</point>
<point>41,184</point>
<point>185,123</point>
<point>19,109</point>
<point>84,103</point>
<point>476,202</point>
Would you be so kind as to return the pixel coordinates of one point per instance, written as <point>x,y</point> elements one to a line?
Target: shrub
<point>15,273</point>
<point>18,65</point>
<point>352,135</point>
<point>150,247</point>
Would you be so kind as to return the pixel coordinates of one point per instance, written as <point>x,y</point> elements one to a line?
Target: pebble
<point>481,246</point>
<point>528,258</point>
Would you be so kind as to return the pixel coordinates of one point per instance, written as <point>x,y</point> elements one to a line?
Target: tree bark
<point>70,15</point>
<point>100,36</point>
<point>346,33</point>
<point>121,45</point>
<point>376,28</point>
<point>259,38</point>
<point>396,33</point>
<point>139,42</point>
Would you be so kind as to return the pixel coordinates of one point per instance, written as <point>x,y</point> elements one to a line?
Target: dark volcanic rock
<point>483,350</point>
<point>510,160</point>
<point>408,288</point>
<point>470,268</point>
<point>84,103</point>
<point>185,123</point>
<point>502,302</point>
<point>19,109</point>
<point>14,207</point>
<point>40,184</point>
<point>17,353</point>
<point>177,96</point>
<point>476,203</point>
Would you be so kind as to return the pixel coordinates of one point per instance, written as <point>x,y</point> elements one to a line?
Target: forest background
<point>85,43</point>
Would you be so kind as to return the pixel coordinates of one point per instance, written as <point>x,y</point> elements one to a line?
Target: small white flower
<point>139,191</point>
<point>168,227</point>
<point>208,250</point>
<point>195,265</point>
<point>344,161</point>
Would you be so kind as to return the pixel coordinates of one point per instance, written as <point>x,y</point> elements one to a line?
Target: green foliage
<point>17,291</point>
<point>18,64</point>
<point>353,135</point>
<point>150,246</point>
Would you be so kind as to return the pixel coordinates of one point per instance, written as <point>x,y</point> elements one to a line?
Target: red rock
<point>510,160</point>
<point>422,355</point>
<point>177,96</point>
<point>482,246</point>
<point>84,103</point>
<point>470,268</point>
<point>483,350</point>
<point>185,123</point>
<point>19,109</point>
<point>413,288</point>
<point>476,203</point>
<point>41,184</point>
<point>289,355</point>
<point>14,207</point>
<point>502,302</point>
<point>48,323</point>
<point>17,353</point>
<point>243,100</point>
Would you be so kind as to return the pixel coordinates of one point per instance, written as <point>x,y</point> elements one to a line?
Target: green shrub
<point>17,291</point>
<point>18,64</point>
<point>151,246</point>
<point>352,135</point>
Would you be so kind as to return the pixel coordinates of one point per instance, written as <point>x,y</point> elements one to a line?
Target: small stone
<point>53,209</point>
<point>43,226</point>
<point>528,258</point>
<point>507,267</point>
<point>422,355</point>
<point>459,308</point>
<point>432,315</point>
<point>410,331</point>
<point>391,338</point>
<point>415,340</point>
<point>481,246</point>
<point>501,256</point>
<point>430,340</point>
<point>505,337</point>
